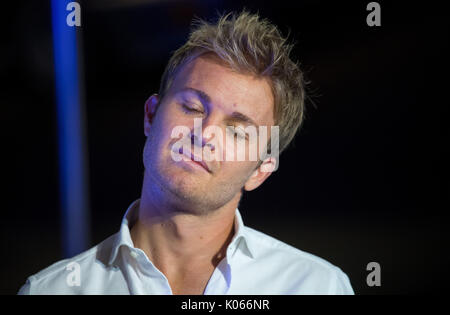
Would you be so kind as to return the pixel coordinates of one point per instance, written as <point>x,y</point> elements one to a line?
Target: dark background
<point>364,180</point>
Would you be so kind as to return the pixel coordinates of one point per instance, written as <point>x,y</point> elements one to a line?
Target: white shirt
<point>255,263</point>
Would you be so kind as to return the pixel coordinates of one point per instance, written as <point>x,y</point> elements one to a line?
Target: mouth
<point>192,160</point>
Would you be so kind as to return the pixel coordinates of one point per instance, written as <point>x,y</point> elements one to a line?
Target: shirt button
<point>133,254</point>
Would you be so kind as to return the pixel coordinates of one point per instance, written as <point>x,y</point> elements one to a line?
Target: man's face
<point>208,90</point>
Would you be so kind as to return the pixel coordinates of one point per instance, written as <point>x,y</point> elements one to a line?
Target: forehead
<point>227,89</point>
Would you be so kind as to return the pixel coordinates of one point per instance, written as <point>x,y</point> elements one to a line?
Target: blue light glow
<point>72,159</point>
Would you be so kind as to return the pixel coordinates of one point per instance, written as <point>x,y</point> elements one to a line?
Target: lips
<point>191,156</point>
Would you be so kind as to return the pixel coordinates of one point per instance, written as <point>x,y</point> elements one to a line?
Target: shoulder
<point>61,277</point>
<point>302,268</point>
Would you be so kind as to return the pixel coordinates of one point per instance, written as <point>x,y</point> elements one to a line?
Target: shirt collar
<point>239,241</point>
<point>123,238</point>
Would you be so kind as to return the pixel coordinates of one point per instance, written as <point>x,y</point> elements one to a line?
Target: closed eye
<point>190,110</point>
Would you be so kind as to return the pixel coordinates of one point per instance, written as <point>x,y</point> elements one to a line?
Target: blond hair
<point>249,45</point>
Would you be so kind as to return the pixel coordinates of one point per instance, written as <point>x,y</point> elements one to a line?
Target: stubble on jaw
<point>180,191</point>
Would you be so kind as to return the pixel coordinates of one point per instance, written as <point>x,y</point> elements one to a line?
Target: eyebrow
<point>235,116</point>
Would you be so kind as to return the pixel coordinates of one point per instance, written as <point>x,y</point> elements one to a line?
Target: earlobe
<point>260,174</point>
<point>149,112</point>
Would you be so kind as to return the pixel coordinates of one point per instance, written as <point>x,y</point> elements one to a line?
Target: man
<point>185,235</point>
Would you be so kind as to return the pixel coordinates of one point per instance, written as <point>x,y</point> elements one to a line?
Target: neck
<point>179,242</point>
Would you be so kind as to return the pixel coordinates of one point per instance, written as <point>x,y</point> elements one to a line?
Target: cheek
<point>154,144</point>
<point>241,150</point>
<point>159,143</point>
<point>236,171</point>
<point>161,130</point>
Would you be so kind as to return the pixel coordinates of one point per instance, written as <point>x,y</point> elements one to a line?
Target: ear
<point>258,177</point>
<point>150,109</point>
